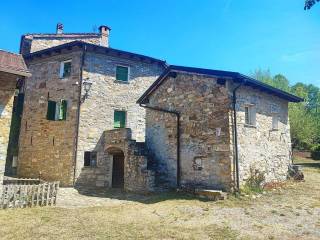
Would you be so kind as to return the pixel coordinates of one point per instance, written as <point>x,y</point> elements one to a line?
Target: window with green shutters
<point>119,119</point>
<point>122,73</point>
<point>63,110</point>
<point>57,111</point>
<point>51,112</point>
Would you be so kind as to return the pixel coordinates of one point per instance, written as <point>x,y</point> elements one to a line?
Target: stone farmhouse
<point>96,116</point>
<point>12,71</point>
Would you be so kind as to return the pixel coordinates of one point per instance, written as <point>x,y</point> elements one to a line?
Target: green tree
<point>309,4</point>
<point>304,116</point>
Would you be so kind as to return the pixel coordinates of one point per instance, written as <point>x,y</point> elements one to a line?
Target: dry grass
<point>291,212</point>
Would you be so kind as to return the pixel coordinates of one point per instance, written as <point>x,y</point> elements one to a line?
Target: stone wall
<point>262,147</point>
<point>33,43</point>
<point>205,139</point>
<point>107,95</point>
<point>46,148</point>
<point>7,88</point>
<point>136,175</point>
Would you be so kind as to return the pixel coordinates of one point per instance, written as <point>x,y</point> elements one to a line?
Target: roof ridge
<point>74,43</point>
<point>61,34</point>
<point>17,54</point>
<point>236,76</point>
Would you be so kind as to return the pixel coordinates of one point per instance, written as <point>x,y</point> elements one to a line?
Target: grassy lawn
<point>292,212</point>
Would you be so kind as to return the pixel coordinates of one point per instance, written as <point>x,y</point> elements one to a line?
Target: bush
<point>315,152</point>
<point>255,182</point>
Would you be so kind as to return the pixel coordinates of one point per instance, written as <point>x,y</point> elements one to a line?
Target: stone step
<point>211,194</point>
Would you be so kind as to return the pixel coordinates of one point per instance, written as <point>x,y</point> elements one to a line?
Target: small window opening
<point>275,122</point>
<point>250,115</point>
<point>65,69</point>
<point>57,111</point>
<point>119,119</point>
<point>90,159</point>
<point>122,73</point>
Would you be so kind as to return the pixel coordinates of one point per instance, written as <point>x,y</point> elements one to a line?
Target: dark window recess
<point>90,159</point>
<point>221,81</point>
<point>122,73</point>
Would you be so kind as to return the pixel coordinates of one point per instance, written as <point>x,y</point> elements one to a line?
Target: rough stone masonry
<point>85,149</point>
<point>203,99</point>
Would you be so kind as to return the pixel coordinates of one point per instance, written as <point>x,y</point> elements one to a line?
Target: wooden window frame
<point>250,115</point>
<point>61,71</point>
<point>128,75</point>
<point>125,118</point>
<point>92,162</point>
<point>59,115</point>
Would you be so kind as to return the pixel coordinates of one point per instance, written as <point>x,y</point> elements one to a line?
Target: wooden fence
<point>20,193</point>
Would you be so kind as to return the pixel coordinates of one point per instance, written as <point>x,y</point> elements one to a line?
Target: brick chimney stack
<point>104,31</point>
<point>59,29</point>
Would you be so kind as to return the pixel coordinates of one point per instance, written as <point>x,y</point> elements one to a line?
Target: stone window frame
<point>61,69</point>
<point>251,121</point>
<point>129,73</point>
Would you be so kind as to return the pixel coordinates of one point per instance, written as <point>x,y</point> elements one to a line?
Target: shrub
<point>255,181</point>
<point>315,152</point>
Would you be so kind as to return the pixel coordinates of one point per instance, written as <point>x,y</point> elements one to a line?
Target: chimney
<point>59,29</point>
<point>104,31</point>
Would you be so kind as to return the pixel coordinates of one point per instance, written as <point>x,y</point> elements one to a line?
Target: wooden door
<point>118,171</point>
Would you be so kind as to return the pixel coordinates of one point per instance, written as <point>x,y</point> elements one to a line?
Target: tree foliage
<point>304,116</point>
<point>309,4</point>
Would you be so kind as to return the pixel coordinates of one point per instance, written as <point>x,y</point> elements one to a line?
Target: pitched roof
<point>59,35</point>
<point>94,48</point>
<point>237,77</point>
<point>13,63</point>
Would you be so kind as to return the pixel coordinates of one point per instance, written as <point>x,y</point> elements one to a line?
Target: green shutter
<point>20,104</point>
<point>119,119</point>
<point>122,73</point>
<point>51,112</point>
<point>63,110</point>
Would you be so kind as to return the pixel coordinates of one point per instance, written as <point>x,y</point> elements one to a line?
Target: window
<point>65,69</point>
<point>250,115</point>
<point>119,119</point>
<point>57,111</point>
<point>122,73</point>
<point>275,122</point>
<point>90,159</point>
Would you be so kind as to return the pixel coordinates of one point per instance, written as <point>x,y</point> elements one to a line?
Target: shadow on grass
<point>149,198</point>
<point>309,164</point>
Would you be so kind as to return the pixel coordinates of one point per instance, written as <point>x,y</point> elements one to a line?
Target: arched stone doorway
<point>117,167</point>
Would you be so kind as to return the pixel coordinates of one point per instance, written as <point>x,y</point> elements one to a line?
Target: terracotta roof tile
<point>13,63</point>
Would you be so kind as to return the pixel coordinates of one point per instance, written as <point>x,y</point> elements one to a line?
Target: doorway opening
<point>118,170</point>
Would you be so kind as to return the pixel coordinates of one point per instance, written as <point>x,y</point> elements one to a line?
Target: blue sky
<point>219,34</point>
